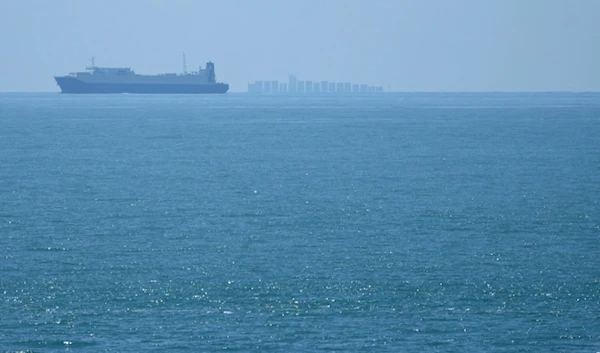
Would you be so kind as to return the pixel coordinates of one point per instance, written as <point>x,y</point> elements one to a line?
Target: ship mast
<point>184,65</point>
<point>93,65</point>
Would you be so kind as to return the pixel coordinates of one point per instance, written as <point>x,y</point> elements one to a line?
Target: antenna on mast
<point>91,67</point>
<point>184,65</point>
<point>93,58</point>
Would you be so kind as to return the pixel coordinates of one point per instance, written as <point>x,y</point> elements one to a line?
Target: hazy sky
<point>420,45</point>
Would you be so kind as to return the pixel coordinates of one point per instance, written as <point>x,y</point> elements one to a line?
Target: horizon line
<point>323,93</point>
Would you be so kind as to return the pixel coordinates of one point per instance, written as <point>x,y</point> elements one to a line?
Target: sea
<point>391,222</point>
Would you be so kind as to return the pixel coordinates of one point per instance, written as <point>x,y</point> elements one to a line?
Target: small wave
<point>50,248</point>
<point>65,343</point>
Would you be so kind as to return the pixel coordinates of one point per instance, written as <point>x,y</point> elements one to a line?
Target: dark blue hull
<point>69,84</point>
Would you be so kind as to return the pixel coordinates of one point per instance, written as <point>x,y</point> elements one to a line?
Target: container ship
<point>124,80</point>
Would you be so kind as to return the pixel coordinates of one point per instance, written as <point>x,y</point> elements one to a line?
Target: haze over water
<point>395,222</point>
<point>424,45</point>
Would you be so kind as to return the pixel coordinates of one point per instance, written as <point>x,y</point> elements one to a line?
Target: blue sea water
<point>385,223</point>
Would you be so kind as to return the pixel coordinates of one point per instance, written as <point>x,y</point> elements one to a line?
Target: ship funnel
<point>210,70</point>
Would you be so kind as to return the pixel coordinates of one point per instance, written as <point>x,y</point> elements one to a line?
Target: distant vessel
<point>124,80</point>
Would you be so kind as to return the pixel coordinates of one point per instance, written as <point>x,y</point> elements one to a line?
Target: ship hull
<point>73,85</point>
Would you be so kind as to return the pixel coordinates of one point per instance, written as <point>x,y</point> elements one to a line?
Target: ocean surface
<point>374,223</point>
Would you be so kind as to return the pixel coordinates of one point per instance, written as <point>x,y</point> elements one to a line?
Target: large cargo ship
<point>124,80</point>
